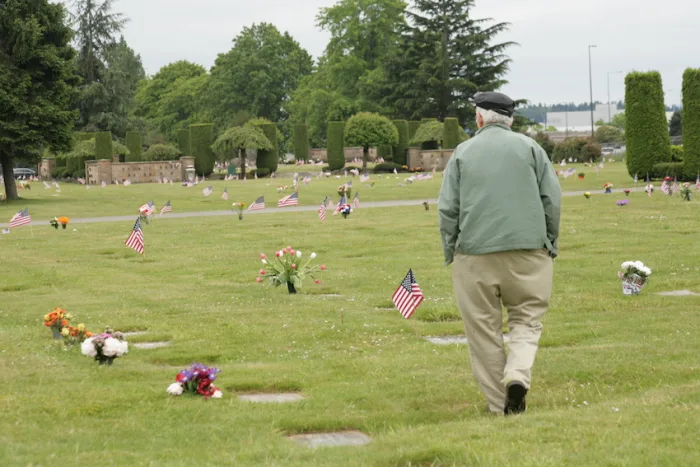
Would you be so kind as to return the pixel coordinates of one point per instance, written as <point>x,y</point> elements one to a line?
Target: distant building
<point>580,121</point>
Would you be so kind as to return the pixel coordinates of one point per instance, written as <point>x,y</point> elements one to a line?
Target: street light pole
<point>610,73</point>
<point>590,80</point>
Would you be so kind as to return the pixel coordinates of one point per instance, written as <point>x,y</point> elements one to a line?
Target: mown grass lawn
<point>617,381</point>
<point>77,201</point>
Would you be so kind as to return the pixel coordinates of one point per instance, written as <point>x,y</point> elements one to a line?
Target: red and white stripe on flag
<point>135,240</point>
<point>408,296</point>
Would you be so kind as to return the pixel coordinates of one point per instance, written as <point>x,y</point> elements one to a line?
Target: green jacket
<point>499,193</point>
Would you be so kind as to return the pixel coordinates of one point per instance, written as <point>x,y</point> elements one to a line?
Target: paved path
<point>371,204</point>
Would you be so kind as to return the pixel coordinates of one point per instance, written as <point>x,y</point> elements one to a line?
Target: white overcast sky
<point>549,66</point>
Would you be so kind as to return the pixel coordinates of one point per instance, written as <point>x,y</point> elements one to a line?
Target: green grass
<point>76,201</point>
<point>633,360</point>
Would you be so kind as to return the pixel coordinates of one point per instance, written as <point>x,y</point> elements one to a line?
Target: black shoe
<point>516,398</point>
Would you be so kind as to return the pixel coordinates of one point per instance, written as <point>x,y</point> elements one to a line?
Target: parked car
<point>24,173</point>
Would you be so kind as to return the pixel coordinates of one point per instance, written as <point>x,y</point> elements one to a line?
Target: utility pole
<point>610,73</point>
<point>590,81</point>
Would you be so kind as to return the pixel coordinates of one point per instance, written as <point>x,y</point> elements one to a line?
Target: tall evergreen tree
<point>37,83</point>
<point>446,58</point>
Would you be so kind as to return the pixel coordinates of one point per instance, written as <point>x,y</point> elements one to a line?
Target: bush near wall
<point>451,133</point>
<point>385,152</point>
<point>133,143</point>
<point>269,159</point>
<point>646,132</point>
<point>388,167</point>
<point>201,138</point>
<point>301,142</point>
<point>677,154</point>
<point>103,145</point>
<point>691,122</point>
<point>336,145</point>
<point>183,141</point>
<point>400,151</point>
<point>668,169</point>
<point>569,148</point>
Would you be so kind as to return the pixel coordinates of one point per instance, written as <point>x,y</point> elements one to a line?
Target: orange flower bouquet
<point>75,335</point>
<point>57,320</point>
<point>56,221</point>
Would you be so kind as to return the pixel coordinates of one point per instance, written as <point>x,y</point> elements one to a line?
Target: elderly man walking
<point>499,221</point>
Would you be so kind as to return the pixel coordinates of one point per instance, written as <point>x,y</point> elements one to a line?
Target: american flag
<point>649,189</point>
<point>135,240</point>
<point>322,210</point>
<point>307,180</point>
<point>258,205</point>
<point>343,201</point>
<point>676,188</point>
<point>289,200</point>
<point>430,176</point>
<point>148,209</point>
<point>47,186</point>
<point>166,208</point>
<point>81,180</point>
<point>208,190</point>
<point>666,188</point>
<point>224,195</point>
<point>636,179</point>
<point>20,219</point>
<point>349,184</point>
<point>356,201</point>
<point>127,182</point>
<point>103,184</point>
<point>116,182</point>
<point>364,178</point>
<point>408,296</point>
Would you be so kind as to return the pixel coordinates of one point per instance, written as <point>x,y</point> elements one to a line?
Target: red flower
<point>292,252</point>
<point>294,266</point>
<point>262,272</point>
<point>262,256</point>
<point>278,254</point>
<point>258,279</point>
<point>317,281</point>
<point>180,378</point>
<point>323,267</point>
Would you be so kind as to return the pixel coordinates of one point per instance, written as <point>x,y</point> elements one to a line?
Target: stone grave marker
<point>279,398</point>
<point>150,345</point>
<point>678,293</point>
<point>340,438</point>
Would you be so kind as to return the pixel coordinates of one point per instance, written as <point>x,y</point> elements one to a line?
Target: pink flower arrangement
<point>289,268</point>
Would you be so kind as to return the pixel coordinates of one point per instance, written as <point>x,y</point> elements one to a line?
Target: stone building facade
<point>138,172</point>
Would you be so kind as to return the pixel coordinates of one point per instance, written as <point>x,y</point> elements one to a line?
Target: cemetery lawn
<point>617,380</point>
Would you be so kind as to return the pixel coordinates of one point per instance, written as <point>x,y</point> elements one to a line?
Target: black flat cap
<point>495,101</point>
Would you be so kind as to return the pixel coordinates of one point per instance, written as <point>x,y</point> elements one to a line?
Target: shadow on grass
<point>254,386</point>
<point>206,359</point>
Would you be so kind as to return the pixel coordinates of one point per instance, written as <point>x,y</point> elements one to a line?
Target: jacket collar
<point>494,125</point>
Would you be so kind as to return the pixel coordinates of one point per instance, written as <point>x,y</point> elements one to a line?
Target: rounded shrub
<point>388,167</point>
<point>133,143</point>
<point>451,133</point>
<point>677,154</point>
<point>268,158</point>
<point>200,142</point>
<point>412,129</point>
<point>162,152</point>
<point>301,142</point>
<point>400,151</point>
<point>646,132</point>
<point>183,141</point>
<point>103,145</point>
<point>691,122</point>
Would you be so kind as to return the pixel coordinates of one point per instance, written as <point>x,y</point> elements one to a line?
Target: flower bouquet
<point>344,190</point>
<point>634,276</point>
<point>345,210</point>
<point>622,203</point>
<point>57,320</point>
<point>105,347</point>
<point>239,208</point>
<point>197,380</point>
<point>587,195</point>
<point>627,192</point>
<point>608,187</point>
<point>581,176</point>
<point>286,269</point>
<point>685,192</point>
<point>426,205</point>
<point>75,335</point>
<point>56,221</point>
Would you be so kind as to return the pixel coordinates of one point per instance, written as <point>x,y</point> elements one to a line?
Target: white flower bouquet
<point>105,347</point>
<point>634,276</point>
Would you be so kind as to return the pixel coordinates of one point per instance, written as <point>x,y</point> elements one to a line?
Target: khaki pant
<point>521,280</point>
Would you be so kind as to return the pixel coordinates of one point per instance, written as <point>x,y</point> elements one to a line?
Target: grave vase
<point>632,284</point>
<point>290,288</point>
<point>102,360</point>
<point>56,333</point>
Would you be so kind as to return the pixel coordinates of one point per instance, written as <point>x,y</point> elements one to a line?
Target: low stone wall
<point>428,160</point>
<point>137,172</point>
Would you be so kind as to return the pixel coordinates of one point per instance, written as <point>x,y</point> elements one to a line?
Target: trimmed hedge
<point>451,133</point>
<point>385,152</point>
<point>183,141</point>
<point>646,132</point>
<point>336,145</point>
<point>691,122</point>
<point>387,167</point>
<point>400,151</point>
<point>412,129</point>
<point>201,138</point>
<point>133,143</point>
<point>103,145</point>
<point>677,154</point>
<point>570,148</point>
<point>269,159</point>
<point>668,169</point>
<point>301,142</point>
<point>261,172</point>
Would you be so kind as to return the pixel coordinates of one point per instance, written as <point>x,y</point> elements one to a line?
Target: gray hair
<point>490,116</point>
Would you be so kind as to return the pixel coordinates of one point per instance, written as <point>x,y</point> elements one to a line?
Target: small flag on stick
<point>224,195</point>
<point>167,208</point>
<point>343,201</point>
<point>258,205</point>
<point>356,201</point>
<point>20,219</point>
<point>208,191</point>
<point>408,296</point>
<point>135,240</point>
<point>322,210</point>
<point>289,200</point>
